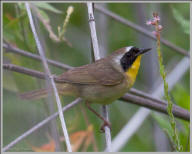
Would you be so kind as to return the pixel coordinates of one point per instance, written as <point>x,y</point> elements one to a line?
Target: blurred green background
<point>20,115</point>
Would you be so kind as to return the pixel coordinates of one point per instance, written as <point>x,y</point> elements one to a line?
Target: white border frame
<point>3,1</point>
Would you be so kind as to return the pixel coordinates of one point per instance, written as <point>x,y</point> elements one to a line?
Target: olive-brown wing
<point>78,75</point>
<point>105,73</point>
<point>100,72</point>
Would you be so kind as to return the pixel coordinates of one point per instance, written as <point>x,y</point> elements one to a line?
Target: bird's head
<point>125,57</point>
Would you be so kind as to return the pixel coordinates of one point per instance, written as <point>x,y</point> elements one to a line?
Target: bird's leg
<point>105,122</point>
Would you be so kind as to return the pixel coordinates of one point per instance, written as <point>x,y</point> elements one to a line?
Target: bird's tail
<point>35,94</point>
<point>63,89</point>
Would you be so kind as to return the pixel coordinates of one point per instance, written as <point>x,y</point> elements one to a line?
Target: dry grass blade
<point>50,77</point>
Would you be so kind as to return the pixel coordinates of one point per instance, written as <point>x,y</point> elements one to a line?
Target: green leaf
<point>181,20</point>
<point>48,7</point>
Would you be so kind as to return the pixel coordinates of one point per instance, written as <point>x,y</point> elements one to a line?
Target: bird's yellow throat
<point>133,70</point>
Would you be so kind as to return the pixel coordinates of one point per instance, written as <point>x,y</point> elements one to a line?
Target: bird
<point>101,82</point>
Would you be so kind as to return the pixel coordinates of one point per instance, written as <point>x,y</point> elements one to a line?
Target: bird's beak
<point>142,51</point>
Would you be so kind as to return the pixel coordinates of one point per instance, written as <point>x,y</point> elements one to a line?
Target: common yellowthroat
<point>101,82</point>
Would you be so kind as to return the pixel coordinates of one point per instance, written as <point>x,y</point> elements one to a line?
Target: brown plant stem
<point>11,48</point>
<point>140,29</point>
<point>142,99</point>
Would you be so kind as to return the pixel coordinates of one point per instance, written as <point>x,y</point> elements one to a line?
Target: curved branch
<point>177,111</point>
<point>140,29</point>
<point>13,49</point>
<point>142,99</point>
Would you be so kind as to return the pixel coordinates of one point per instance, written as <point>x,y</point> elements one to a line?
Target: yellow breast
<point>133,70</point>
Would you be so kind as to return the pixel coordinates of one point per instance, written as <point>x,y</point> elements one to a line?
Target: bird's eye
<point>135,50</point>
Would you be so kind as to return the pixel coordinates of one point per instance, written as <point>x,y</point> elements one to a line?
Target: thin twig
<point>136,121</point>
<point>37,74</point>
<point>40,124</point>
<point>136,98</point>
<point>50,79</point>
<point>24,70</point>
<point>107,129</point>
<point>140,29</point>
<point>177,111</point>
<point>46,23</point>
<point>146,95</point>
<point>93,31</point>
<point>11,48</point>
<point>97,56</point>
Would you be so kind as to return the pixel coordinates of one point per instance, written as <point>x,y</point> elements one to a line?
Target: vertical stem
<point>97,56</point>
<point>93,31</point>
<point>107,129</point>
<point>175,135</point>
<point>49,77</point>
